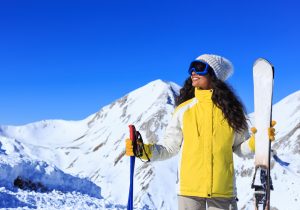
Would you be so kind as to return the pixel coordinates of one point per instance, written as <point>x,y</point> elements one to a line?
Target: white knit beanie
<point>222,67</point>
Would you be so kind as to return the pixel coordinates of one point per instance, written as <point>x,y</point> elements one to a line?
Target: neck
<point>201,88</point>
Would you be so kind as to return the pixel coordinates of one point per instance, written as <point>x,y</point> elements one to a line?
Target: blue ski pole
<point>132,132</point>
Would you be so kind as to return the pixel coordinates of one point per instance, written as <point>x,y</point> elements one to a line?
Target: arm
<point>170,144</point>
<point>242,145</point>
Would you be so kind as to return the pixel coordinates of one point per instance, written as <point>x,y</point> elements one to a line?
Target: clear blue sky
<point>67,59</point>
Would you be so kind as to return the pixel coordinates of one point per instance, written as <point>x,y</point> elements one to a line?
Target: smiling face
<point>201,82</point>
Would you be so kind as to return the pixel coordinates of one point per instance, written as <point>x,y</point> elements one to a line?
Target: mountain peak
<point>154,86</point>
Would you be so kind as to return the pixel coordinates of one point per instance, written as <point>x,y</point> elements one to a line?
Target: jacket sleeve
<point>241,145</point>
<point>172,140</point>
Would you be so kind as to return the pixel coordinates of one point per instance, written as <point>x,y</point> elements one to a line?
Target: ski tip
<point>262,60</point>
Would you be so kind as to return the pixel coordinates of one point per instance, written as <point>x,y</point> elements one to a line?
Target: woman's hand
<point>129,147</point>
<point>271,134</point>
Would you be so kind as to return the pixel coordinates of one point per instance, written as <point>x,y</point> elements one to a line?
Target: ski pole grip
<point>132,132</point>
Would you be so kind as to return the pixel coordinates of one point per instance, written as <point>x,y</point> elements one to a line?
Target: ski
<point>263,78</point>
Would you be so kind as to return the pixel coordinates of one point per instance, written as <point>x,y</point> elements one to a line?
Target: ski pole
<point>132,132</point>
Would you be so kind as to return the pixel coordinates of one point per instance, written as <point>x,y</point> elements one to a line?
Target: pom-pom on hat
<point>222,67</point>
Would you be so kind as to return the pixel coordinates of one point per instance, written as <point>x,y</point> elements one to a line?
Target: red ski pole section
<point>132,132</point>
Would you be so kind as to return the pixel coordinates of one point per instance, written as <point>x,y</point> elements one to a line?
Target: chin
<point>196,85</point>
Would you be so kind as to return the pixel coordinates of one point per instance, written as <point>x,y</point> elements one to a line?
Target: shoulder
<point>185,105</point>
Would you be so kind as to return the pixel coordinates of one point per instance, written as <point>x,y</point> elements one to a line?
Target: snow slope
<point>89,154</point>
<point>30,183</point>
<point>94,147</point>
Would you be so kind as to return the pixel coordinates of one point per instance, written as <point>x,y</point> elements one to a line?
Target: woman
<point>208,125</point>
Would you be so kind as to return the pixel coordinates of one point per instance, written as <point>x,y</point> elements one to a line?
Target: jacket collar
<point>203,95</point>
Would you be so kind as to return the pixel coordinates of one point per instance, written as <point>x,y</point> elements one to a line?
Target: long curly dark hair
<point>223,97</point>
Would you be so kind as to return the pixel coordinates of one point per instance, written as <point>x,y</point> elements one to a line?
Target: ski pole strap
<point>132,132</point>
<point>281,162</point>
<point>139,148</point>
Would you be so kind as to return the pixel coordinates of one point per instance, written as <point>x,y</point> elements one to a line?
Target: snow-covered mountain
<point>84,160</point>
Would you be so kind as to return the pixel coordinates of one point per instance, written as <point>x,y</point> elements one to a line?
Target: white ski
<point>263,77</point>
<point>263,73</point>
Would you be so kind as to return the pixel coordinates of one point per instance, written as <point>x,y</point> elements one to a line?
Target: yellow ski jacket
<point>206,144</point>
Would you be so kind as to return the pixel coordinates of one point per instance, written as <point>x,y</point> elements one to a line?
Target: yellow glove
<point>129,147</point>
<point>147,151</point>
<point>271,133</point>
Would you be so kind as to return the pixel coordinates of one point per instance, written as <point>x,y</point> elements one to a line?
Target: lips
<point>195,78</point>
